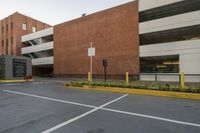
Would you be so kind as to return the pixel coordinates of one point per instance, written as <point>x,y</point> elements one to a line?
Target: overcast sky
<point>55,11</point>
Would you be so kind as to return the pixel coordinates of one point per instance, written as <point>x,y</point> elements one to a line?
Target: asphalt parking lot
<point>46,106</point>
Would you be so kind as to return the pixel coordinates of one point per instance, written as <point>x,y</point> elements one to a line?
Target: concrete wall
<point>38,34</point>
<point>114,33</point>
<point>190,63</point>
<point>43,61</point>
<point>37,48</point>
<point>8,65</point>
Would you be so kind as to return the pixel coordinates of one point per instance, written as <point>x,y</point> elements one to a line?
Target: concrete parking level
<point>45,106</point>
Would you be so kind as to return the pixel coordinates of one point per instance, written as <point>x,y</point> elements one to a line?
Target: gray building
<point>169,39</point>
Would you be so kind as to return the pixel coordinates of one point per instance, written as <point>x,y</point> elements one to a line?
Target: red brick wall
<point>17,19</point>
<point>114,33</point>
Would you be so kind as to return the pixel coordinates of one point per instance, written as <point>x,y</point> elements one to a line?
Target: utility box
<point>15,67</point>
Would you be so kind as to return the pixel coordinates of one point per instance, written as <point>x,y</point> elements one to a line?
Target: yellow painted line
<point>180,95</point>
<point>15,81</point>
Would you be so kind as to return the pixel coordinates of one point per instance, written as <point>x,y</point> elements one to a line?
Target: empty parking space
<point>109,122</point>
<point>49,107</point>
<point>57,91</point>
<point>28,114</point>
<point>177,109</point>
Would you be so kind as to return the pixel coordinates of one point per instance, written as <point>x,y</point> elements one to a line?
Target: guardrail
<point>168,77</point>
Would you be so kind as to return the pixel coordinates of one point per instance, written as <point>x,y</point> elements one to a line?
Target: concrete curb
<point>179,95</point>
<point>15,81</point>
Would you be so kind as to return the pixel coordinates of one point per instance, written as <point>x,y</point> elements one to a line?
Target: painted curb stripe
<point>14,81</point>
<point>179,95</point>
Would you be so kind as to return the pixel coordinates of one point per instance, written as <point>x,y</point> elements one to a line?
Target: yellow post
<point>182,83</point>
<point>89,76</point>
<point>127,78</point>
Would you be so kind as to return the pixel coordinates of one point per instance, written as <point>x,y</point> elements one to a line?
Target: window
<point>2,43</point>
<point>6,46</point>
<point>33,29</point>
<point>11,40</point>
<point>24,26</point>
<point>2,47</point>
<point>11,25</point>
<point>2,29</point>
<point>6,27</point>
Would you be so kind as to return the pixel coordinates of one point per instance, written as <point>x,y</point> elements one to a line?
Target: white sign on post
<point>91,51</point>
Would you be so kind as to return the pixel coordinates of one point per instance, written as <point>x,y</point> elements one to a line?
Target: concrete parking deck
<point>46,106</point>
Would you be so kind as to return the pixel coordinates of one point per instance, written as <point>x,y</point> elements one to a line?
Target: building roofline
<point>92,14</point>
<point>18,13</point>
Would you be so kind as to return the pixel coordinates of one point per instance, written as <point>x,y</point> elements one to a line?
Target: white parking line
<point>81,116</point>
<point>11,84</point>
<point>106,109</point>
<point>153,117</point>
<point>51,99</point>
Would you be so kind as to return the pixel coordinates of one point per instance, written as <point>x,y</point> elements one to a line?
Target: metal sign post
<point>91,53</point>
<point>91,62</point>
<point>105,64</point>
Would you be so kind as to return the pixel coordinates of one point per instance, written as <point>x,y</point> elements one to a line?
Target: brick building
<point>63,49</point>
<point>114,34</point>
<point>156,39</point>
<point>12,28</point>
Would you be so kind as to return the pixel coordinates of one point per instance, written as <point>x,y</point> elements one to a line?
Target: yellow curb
<point>15,81</point>
<point>180,95</point>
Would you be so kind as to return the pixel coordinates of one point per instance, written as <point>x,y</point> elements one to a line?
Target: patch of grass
<point>139,85</point>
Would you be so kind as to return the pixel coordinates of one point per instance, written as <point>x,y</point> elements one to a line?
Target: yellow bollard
<point>89,76</point>
<point>127,78</point>
<point>182,83</point>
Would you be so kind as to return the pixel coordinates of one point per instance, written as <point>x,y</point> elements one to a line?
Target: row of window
<point>2,29</point>
<point>11,40</point>
<point>24,27</point>
<point>7,48</point>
